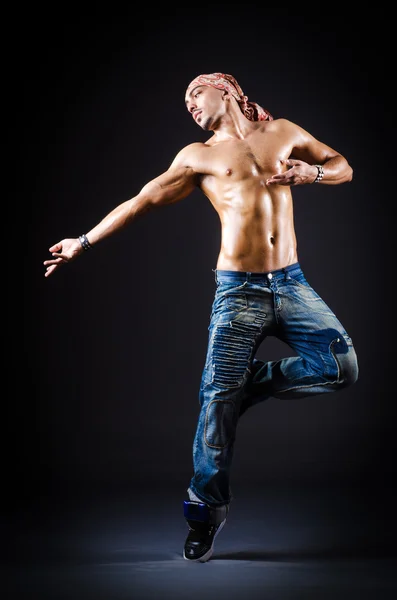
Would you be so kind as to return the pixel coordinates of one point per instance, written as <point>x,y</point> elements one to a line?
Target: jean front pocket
<point>299,280</point>
<point>236,302</point>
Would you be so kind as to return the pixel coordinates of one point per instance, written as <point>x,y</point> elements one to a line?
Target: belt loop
<point>248,274</point>
<point>284,270</point>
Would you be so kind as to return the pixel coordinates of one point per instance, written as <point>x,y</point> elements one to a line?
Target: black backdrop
<point>106,355</point>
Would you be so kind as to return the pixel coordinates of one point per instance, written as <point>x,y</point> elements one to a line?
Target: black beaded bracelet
<point>84,242</point>
<point>320,173</point>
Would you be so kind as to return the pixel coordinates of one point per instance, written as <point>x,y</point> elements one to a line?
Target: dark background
<point>106,355</point>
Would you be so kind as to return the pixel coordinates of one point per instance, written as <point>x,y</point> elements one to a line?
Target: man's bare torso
<point>257,228</point>
<point>246,169</point>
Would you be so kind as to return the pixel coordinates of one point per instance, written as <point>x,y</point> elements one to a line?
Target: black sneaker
<point>204,525</point>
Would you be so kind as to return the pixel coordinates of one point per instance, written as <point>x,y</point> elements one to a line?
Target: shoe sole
<point>209,553</point>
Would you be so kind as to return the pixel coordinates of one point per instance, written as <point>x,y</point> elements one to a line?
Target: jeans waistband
<point>264,277</point>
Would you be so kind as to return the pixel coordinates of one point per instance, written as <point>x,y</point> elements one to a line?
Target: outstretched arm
<point>172,186</point>
<point>306,153</point>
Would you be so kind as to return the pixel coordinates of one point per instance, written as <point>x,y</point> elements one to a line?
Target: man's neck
<point>233,125</point>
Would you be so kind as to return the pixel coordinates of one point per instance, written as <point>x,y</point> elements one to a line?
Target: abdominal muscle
<point>257,229</point>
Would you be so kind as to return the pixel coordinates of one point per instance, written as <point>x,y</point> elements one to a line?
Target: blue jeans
<point>247,308</point>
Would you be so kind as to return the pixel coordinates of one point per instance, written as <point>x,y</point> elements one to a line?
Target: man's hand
<point>63,252</point>
<point>298,173</point>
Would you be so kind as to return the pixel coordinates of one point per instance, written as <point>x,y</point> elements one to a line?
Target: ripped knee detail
<point>220,420</point>
<point>347,365</point>
<point>344,355</point>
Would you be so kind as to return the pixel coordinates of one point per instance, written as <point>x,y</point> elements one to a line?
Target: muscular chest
<point>240,159</point>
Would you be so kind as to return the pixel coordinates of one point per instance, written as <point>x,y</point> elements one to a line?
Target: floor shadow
<point>335,553</point>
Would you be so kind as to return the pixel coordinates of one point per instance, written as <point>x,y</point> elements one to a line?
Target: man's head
<point>227,84</point>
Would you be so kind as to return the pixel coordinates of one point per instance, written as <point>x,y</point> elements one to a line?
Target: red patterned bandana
<point>222,81</point>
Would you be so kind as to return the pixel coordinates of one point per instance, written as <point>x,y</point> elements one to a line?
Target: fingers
<point>51,267</point>
<point>281,179</point>
<point>56,248</point>
<point>54,261</point>
<point>49,270</point>
<point>290,162</point>
<point>278,177</point>
<point>286,177</point>
<point>53,264</point>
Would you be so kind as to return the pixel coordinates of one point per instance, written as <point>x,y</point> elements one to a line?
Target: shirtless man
<point>246,169</point>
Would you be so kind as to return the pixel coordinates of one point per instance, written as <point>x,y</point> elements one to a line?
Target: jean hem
<point>205,501</point>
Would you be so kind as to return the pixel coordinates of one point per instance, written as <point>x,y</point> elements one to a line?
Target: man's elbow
<point>150,195</point>
<point>345,173</point>
<point>349,175</point>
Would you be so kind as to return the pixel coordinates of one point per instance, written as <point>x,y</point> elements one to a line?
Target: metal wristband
<point>84,242</point>
<point>320,173</point>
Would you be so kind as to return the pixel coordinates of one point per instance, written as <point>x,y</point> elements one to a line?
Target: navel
<point>272,240</point>
<point>228,171</point>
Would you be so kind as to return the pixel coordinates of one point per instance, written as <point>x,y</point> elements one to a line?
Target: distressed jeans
<point>247,308</point>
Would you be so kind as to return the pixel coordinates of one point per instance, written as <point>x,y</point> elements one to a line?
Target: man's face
<point>206,105</point>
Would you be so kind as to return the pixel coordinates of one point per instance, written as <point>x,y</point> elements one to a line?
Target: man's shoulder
<point>195,146</point>
<point>189,155</point>
<point>280,122</point>
<point>281,126</point>
<point>193,149</point>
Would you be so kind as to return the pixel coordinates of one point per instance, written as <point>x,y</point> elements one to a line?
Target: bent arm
<point>305,152</point>
<point>310,150</point>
